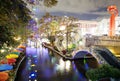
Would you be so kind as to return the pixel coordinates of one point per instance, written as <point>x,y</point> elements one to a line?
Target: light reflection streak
<point>63,65</point>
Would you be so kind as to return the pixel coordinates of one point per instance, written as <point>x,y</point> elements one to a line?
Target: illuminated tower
<point>114,12</point>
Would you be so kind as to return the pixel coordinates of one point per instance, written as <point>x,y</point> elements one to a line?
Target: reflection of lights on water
<point>33,75</point>
<point>53,60</point>
<point>36,61</point>
<point>35,70</point>
<point>86,66</point>
<point>35,56</point>
<point>29,76</point>
<point>68,63</point>
<point>63,65</point>
<point>35,80</point>
<point>33,65</point>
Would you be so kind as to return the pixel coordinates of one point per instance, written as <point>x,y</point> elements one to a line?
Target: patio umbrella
<point>5,67</point>
<point>11,56</point>
<point>23,47</point>
<point>17,53</point>
<point>15,50</point>
<point>3,61</point>
<point>3,76</point>
<point>20,49</point>
<point>11,61</point>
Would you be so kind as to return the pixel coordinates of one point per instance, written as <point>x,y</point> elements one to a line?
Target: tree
<point>13,15</point>
<point>47,3</point>
<point>6,36</point>
<point>50,3</point>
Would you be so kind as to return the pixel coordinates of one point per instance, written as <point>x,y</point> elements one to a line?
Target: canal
<point>39,65</point>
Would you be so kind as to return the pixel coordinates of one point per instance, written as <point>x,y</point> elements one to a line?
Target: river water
<point>39,65</point>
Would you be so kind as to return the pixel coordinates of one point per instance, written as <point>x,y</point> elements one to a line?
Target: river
<point>39,65</point>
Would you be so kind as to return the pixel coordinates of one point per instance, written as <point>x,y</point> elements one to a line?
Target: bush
<point>102,72</point>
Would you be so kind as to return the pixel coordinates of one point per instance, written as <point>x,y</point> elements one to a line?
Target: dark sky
<point>82,9</point>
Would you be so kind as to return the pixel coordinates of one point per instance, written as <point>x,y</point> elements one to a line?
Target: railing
<point>106,41</point>
<point>99,58</point>
<point>105,55</point>
<point>20,59</point>
<point>63,56</point>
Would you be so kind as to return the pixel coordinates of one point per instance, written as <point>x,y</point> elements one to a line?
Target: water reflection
<point>41,66</point>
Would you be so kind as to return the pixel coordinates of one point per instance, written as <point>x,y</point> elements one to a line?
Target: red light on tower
<point>114,12</point>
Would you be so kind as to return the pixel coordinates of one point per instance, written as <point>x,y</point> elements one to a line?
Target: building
<point>98,28</point>
<point>103,26</point>
<point>87,27</point>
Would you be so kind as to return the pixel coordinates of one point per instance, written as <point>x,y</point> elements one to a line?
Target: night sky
<point>82,9</point>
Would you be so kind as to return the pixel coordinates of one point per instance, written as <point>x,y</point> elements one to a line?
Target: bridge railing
<point>102,41</point>
<point>99,58</point>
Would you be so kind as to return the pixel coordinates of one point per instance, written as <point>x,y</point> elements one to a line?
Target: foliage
<point>102,72</point>
<point>13,12</point>
<point>12,75</point>
<point>6,36</point>
<point>50,3</point>
<point>13,15</point>
<point>71,47</point>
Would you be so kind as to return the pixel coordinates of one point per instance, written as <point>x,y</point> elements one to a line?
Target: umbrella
<point>23,47</point>
<point>3,76</point>
<point>20,49</point>
<point>11,61</point>
<point>5,67</point>
<point>15,50</point>
<point>3,61</point>
<point>11,56</point>
<point>17,53</point>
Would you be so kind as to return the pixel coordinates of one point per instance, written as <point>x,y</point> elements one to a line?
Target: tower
<point>114,12</point>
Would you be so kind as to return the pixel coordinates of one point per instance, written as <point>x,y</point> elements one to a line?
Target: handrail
<point>105,53</point>
<point>18,67</point>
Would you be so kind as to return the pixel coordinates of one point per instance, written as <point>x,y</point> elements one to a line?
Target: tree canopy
<point>13,14</point>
